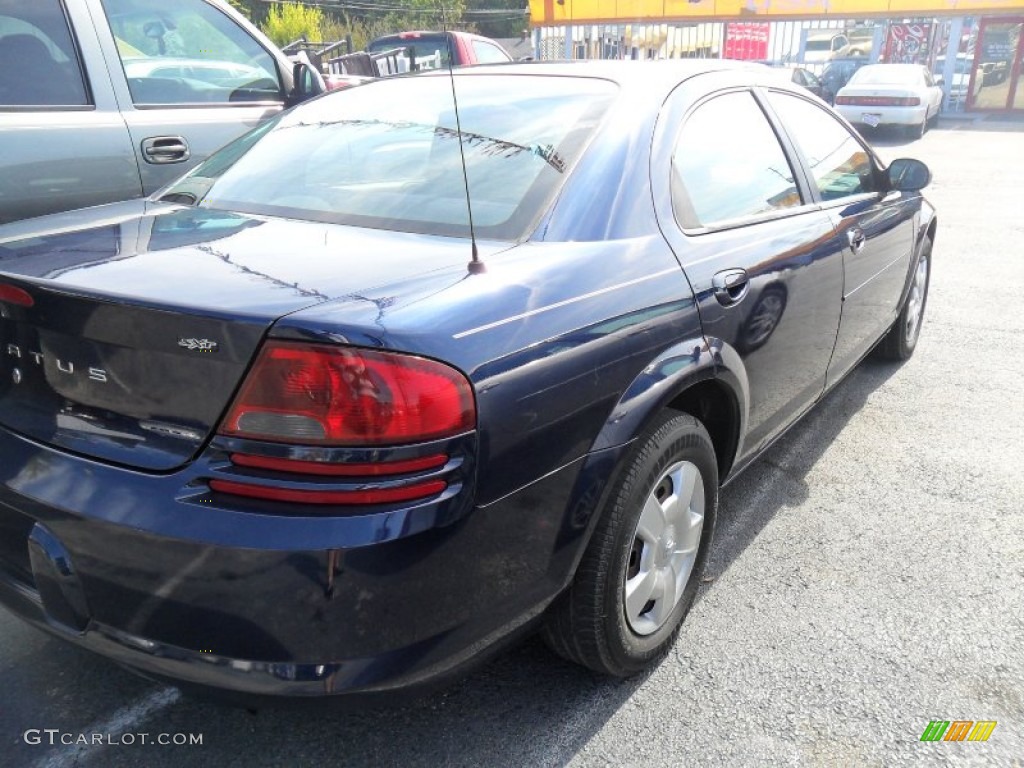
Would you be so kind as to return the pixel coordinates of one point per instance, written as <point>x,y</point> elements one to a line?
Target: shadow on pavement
<point>777,479</point>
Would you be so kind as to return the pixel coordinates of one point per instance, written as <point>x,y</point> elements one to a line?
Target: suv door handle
<point>730,286</point>
<point>857,239</point>
<point>160,150</point>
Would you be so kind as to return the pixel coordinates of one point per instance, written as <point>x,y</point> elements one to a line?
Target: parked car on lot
<point>805,79</point>
<point>292,426</point>
<point>838,72</point>
<point>822,44</point>
<point>960,83</point>
<point>104,101</point>
<point>434,50</point>
<point>904,95</point>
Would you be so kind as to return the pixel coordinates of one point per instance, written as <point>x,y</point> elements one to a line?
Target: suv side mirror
<point>908,175</point>
<point>307,82</point>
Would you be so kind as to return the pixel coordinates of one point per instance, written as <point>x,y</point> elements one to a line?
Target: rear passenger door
<point>188,77</point>
<point>753,243</point>
<point>63,143</point>
<point>875,229</point>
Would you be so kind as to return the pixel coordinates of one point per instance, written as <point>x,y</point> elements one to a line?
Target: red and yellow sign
<point>549,12</point>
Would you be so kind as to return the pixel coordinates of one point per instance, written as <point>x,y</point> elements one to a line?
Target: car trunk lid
<point>125,341</point>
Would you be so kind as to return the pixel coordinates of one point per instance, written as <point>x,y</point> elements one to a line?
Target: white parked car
<point>891,94</point>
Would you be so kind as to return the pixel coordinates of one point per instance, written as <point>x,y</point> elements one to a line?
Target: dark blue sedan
<point>295,426</point>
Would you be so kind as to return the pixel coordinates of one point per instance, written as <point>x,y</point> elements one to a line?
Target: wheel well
<point>716,408</point>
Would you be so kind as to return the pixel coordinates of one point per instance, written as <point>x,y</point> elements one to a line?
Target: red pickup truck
<point>433,47</point>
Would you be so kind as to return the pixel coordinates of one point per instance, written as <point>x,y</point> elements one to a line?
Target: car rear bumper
<point>271,605</point>
<point>887,115</point>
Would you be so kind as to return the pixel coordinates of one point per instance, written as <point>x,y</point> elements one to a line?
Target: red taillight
<point>366,496</point>
<point>15,295</point>
<point>327,469</point>
<point>316,394</point>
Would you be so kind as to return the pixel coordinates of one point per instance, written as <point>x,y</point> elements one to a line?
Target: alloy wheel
<point>665,546</point>
<point>915,302</point>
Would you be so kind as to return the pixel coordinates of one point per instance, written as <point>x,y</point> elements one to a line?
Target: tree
<point>287,22</point>
<point>254,10</point>
<point>512,23</point>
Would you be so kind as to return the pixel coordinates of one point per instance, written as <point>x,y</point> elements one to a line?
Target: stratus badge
<point>199,345</point>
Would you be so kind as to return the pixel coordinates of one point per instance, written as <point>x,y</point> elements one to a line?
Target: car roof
<point>892,65</point>
<point>413,34</point>
<point>664,73</point>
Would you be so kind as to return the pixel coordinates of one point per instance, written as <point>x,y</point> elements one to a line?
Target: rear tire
<point>642,569</point>
<point>917,131</point>
<point>901,340</point>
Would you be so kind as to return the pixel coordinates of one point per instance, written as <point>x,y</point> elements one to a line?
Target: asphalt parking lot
<point>866,579</point>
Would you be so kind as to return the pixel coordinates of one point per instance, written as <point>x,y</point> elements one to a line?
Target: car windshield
<point>387,155</point>
<point>887,74</point>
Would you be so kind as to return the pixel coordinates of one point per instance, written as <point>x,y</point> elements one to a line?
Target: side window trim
<point>791,146</point>
<point>83,71</point>
<point>809,204</point>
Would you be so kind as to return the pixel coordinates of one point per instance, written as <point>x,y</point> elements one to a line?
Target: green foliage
<point>254,10</point>
<point>287,22</point>
<point>511,24</point>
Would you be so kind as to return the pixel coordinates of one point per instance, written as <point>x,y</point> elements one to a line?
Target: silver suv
<point>104,100</point>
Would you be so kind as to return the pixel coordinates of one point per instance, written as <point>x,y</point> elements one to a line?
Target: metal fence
<point>813,44</point>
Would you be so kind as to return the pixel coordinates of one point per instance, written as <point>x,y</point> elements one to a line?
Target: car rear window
<point>430,51</point>
<point>386,155</point>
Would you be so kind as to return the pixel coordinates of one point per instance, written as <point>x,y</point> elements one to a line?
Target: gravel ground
<point>867,578</point>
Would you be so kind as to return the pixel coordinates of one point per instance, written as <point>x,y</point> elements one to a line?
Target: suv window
<point>39,65</point>
<point>728,164</point>
<point>188,52</point>
<point>487,53</point>
<point>839,163</point>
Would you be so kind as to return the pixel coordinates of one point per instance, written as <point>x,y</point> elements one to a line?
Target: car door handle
<point>160,150</point>
<point>857,239</point>
<point>730,286</point>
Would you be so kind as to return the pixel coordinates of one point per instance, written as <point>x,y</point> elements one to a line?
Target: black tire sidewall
<point>676,437</point>
<point>907,346</point>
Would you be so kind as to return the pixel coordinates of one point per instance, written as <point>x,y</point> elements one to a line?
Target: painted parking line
<point>125,720</point>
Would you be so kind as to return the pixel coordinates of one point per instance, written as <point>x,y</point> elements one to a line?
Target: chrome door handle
<point>730,286</point>
<point>160,150</point>
<point>857,239</point>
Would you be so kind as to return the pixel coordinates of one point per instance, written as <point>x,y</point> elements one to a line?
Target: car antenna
<point>475,266</point>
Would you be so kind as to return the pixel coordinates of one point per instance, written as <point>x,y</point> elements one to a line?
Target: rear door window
<point>39,63</point>
<point>728,165</point>
<point>189,53</point>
